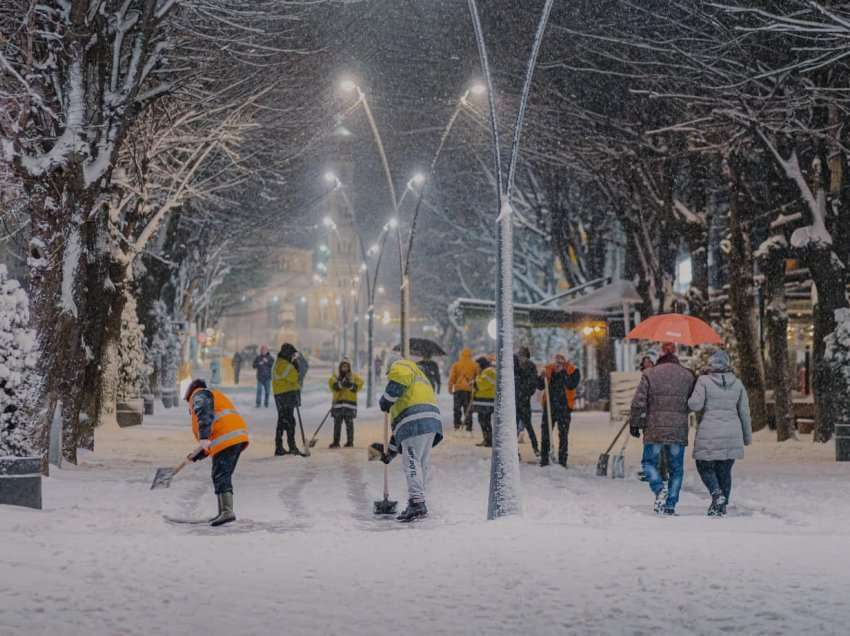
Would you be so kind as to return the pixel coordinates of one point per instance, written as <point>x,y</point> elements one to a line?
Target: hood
<point>483,362</point>
<point>287,351</point>
<point>466,354</point>
<point>719,362</point>
<point>723,379</point>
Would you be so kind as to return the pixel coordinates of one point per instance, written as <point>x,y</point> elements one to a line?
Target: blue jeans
<point>649,463</point>
<point>264,387</point>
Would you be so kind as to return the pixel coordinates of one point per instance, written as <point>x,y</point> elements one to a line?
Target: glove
<point>634,430</point>
<point>384,456</point>
<point>200,452</point>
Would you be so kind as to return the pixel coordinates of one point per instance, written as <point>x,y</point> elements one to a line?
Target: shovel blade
<point>163,477</point>
<point>386,507</point>
<point>618,468</point>
<point>602,465</point>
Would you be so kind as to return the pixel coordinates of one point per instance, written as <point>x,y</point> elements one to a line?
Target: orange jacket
<point>463,373</point>
<point>571,393</point>
<point>228,427</point>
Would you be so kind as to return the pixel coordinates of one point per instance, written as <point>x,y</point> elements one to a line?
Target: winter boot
<point>660,501</point>
<point>226,506</point>
<point>669,512</point>
<point>333,445</point>
<point>278,451</point>
<point>349,434</point>
<point>415,510</point>
<point>718,504</point>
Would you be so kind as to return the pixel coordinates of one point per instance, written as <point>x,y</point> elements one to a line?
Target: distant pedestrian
<point>215,372</point>
<point>724,430</point>
<point>222,434</point>
<point>484,399</point>
<point>646,363</point>
<point>263,363</point>
<point>286,385</point>
<point>236,362</point>
<point>525,384</point>
<point>378,366</point>
<point>660,409</point>
<point>432,371</point>
<point>344,386</point>
<point>563,378</point>
<point>461,377</point>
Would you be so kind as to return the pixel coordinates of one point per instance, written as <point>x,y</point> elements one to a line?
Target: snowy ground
<point>308,557</point>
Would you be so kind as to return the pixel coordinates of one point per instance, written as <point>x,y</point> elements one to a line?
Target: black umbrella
<point>423,347</point>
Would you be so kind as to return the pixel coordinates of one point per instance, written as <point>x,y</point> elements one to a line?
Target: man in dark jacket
<point>563,378</point>
<point>263,364</point>
<point>660,409</point>
<point>525,381</point>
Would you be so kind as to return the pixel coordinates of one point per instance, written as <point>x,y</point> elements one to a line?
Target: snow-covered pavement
<point>308,557</point>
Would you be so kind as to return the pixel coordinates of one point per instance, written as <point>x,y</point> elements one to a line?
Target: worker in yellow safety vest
<point>344,386</point>
<point>410,400</point>
<point>286,386</point>
<point>484,398</point>
<point>222,434</point>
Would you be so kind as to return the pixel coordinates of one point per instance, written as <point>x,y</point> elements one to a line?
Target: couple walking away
<point>666,394</point>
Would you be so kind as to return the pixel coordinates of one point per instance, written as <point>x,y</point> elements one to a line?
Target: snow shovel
<point>304,444</point>
<point>602,464</point>
<point>315,437</point>
<point>163,476</point>
<point>386,506</point>
<point>618,466</point>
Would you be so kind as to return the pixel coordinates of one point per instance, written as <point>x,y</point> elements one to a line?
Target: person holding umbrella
<point>660,404</point>
<point>660,409</point>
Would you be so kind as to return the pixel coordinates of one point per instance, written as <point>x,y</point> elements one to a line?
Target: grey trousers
<point>415,452</point>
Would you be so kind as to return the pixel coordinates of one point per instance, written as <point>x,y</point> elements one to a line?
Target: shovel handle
<point>623,428</point>
<point>386,450</point>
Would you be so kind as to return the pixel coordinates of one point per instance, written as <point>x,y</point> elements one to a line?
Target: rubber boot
<point>225,503</point>
<point>218,500</point>
<point>349,434</point>
<point>415,510</point>
<point>337,430</point>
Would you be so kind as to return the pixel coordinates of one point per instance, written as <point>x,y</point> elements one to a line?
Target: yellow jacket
<point>463,373</point>
<point>284,377</point>
<point>485,388</point>
<point>345,396</point>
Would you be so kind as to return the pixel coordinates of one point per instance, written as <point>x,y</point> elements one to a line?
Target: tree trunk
<point>741,295</point>
<point>777,337</point>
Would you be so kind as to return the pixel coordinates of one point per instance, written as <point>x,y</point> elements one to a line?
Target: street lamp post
<point>349,86</point>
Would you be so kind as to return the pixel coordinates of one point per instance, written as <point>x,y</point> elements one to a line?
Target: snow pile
<point>17,363</point>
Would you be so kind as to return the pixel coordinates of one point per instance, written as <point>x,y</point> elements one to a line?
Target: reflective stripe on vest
<point>223,433</point>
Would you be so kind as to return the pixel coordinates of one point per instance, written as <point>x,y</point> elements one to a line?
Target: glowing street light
<point>393,223</point>
<point>418,179</point>
<point>328,222</point>
<point>349,86</point>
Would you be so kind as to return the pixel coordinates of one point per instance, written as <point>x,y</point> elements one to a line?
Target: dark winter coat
<point>432,372</point>
<point>660,404</point>
<point>525,379</point>
<point>725,427</point>
<point>237,361</point>
<point>561,383</point>
<point>263,363</point>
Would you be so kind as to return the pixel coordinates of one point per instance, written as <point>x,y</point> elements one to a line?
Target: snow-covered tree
<point>17,365</point>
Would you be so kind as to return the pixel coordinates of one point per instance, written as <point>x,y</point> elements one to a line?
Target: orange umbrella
<point>686,330</point>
